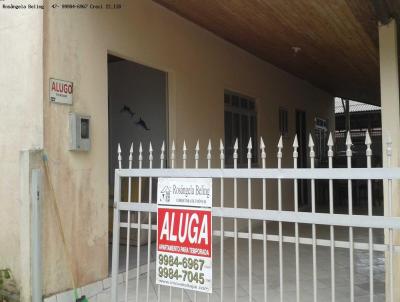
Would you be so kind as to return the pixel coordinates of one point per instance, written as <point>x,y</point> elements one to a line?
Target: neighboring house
<point>359,119</point>
<point>362,117</point>
<point>172,71</point>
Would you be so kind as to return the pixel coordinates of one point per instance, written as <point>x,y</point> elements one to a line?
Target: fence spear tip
<point>130,154</point>
<point>221,145</point>
<point>173,145</point>
<point>280,143</point>
<point>262,145</point>
<point>236,145</point>
<point>209,145</point>
<point>184,145</point>
<point>295,142</point>
<point>140,147</point>
<point>348,139</point>
<point>150,147</point>
<point>367,138</point>
<point>119,156</point>
<point>197,146</point>
<point>330,140</point>
<point>310,141</point>
<point>249,145</point>
<point>163,147</point>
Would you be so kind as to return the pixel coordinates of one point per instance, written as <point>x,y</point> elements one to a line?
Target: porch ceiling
<point>338,38</point>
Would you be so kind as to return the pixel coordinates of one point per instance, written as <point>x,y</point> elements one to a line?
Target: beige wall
<point>21,127</point>
<point>199,65</point>
<point>389,74</point>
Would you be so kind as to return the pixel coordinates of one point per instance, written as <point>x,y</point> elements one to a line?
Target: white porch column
<point>389,78</point>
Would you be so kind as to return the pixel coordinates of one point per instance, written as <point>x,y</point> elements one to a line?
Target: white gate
<point>340,266</point>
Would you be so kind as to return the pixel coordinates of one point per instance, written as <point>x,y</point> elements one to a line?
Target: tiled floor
<point>342,283</point>
<point>132,256</point>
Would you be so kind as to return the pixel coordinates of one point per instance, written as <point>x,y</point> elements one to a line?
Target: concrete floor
<point>361,269</point>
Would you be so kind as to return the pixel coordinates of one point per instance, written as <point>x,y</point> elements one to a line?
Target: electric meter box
<point>79,132</point>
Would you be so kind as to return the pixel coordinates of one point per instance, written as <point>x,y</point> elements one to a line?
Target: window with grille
<point>240,122</point>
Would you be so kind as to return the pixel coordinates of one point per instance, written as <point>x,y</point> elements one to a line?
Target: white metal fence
<point>258,240</point>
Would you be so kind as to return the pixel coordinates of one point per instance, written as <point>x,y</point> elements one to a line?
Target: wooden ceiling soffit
<point>338,38</point>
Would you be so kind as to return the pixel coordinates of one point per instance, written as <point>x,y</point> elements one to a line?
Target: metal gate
<point>321,258</point>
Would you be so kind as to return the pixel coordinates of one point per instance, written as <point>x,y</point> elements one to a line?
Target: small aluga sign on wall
<point>61,91</point>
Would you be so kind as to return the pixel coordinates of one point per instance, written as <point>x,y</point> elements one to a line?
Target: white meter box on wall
<point>79,131</point>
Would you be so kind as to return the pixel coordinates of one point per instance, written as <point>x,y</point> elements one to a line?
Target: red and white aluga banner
<point>184,233</point>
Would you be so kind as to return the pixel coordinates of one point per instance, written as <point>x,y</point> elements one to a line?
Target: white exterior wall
<point>21,128</point>
<point>200,67</point>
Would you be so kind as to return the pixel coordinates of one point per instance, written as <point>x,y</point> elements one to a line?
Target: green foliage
<point>8,288</point>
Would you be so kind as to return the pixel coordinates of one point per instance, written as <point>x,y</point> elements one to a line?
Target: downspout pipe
<point>36,238</point>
